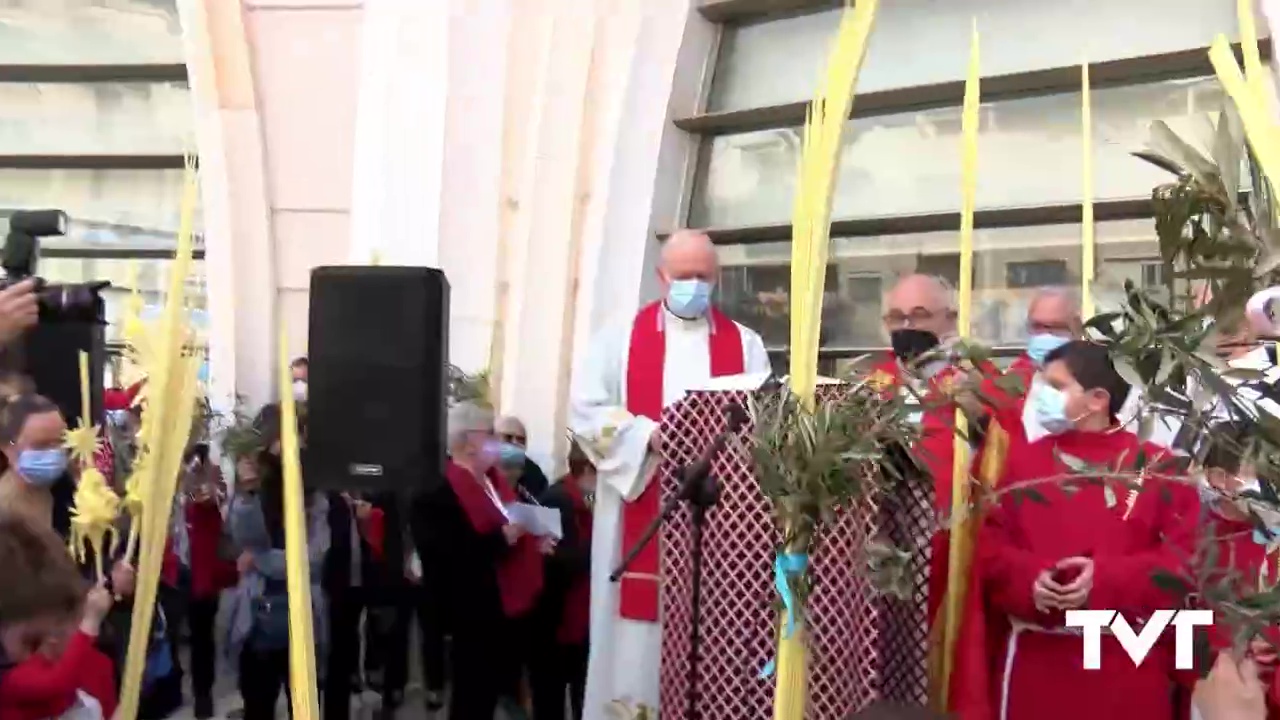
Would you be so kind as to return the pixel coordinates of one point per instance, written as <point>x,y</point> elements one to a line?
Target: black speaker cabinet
<point>51,358</point>
<point>377,382</point>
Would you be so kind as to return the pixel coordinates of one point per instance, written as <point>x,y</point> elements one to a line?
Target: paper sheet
<point>538,520</point>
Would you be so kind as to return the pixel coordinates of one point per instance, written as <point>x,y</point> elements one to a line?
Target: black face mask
<point>909,343</point>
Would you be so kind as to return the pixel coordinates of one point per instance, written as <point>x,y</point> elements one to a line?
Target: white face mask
<point>300,390</point>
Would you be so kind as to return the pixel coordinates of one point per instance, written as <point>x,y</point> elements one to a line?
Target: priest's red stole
<point>645,363</point>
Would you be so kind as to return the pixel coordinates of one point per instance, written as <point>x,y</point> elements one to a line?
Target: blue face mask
<point>1041,344</point>
<point>1050,406</point>
<point>510,454</point>
<point>42,468</point>
<point>689,298</point>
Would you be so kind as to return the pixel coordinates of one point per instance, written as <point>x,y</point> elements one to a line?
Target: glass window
<point>118,209</point>
<point>922,42</point>
<point>754,279</point>
<point>90,32</point>
<point>95,118</point>
<point>1029,154</point>
<point>153,283</point>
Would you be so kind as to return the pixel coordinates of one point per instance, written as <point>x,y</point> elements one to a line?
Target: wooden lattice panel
<point>863,646</point>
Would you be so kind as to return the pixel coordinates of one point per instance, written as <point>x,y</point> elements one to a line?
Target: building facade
<point>537,151</point>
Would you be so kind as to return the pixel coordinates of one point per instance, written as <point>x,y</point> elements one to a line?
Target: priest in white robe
<point>633,370</point>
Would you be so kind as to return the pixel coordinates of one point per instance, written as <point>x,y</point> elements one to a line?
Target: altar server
<point>1090,546</point>
<point>633,370</point>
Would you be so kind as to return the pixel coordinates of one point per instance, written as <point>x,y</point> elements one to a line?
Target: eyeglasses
<point>896,319</point>
<point>513,439</point>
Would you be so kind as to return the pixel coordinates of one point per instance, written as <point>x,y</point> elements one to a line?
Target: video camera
<point>58,303</point>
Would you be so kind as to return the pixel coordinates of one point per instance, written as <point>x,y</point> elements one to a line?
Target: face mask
<point>909,343</point>
<point>300,390</point>
<point>489,453</point>
<point>1041,344</point>
<point>689,298</point>
<point>42,468</point>
<point>510,454</point>
<point>1050,406</point>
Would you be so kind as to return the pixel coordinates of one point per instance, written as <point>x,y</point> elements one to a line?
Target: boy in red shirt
<point>47,668</point>
<point>1092,545</point>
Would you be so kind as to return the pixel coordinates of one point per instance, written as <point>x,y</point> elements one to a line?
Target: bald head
<point>1054,311</point>
<point>688,271</point>
<point>920,302</point>
<point>688,255</point>
<point>508,428</point>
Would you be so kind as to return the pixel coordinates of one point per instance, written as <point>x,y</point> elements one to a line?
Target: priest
<point>633,370</point>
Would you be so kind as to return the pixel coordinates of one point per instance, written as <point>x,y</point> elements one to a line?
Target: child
<point>1089,545</point>
<point>48,667</point>
<point>161,691</point>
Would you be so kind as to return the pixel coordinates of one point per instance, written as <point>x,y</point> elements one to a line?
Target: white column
<point>643,169</point>
<point>541,265</point>
<point>239,261</point>
<point>471,199</point>
<point>400,132</point>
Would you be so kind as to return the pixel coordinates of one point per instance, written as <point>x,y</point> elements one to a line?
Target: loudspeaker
<point>51,358</point>
<point>377,387</point>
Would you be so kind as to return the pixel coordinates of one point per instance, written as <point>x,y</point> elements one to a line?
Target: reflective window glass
<point>116,209</point>
<point>1029,155</point>
<point>90,32</point>
<point>754,278</point>
<point>95,118</point>
<point>923,42</point>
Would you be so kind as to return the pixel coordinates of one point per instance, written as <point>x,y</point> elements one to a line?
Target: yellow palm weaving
<point>811,238</point>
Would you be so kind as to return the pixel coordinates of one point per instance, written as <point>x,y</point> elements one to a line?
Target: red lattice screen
<point>863,646</point>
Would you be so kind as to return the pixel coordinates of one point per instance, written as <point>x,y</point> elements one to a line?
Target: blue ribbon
<point>785,567</point>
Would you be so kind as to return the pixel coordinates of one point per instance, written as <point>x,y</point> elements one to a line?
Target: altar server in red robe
<point>633,370</point>
<point>1092,546</point>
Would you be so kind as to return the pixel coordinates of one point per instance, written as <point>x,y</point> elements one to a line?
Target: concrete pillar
<point>239,258</point>
<point>306,67</point>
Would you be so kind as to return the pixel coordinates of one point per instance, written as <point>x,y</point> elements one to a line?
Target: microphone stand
<point>699,488</point>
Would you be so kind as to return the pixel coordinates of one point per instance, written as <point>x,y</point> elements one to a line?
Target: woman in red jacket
<point>208,573</point>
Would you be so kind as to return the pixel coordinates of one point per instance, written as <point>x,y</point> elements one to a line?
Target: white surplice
<point>625,654</point>
<point>1165,429</point>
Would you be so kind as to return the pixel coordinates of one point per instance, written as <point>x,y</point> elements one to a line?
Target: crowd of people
<point>64,634</point>
<point>517,617</point>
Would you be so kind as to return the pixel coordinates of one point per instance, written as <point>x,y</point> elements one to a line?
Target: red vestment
<point>1241,556</point>
<point>1129,535</point>
<point>969,696</point>
<point>974,687</point>
<point>639,589</point>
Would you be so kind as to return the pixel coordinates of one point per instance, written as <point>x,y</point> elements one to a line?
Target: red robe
<point>1129,535</point>
<point>974,687</point>
<point>968,694</point>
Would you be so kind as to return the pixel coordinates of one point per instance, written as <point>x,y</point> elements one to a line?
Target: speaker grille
<point>377,379</point>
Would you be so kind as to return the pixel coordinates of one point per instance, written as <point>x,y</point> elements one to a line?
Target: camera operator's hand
<point>19,310</point>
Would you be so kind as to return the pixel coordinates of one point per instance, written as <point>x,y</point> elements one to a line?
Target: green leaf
<point>1109,494</point>
<point>1172,584</point>
<point>1167,143</point>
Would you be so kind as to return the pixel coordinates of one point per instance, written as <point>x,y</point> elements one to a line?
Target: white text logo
<point>1138,644</point>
